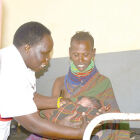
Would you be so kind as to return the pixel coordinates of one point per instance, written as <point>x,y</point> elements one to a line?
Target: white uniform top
<point>17,85</point>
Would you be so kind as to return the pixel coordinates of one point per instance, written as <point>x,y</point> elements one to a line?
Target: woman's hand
<point>103,109</point>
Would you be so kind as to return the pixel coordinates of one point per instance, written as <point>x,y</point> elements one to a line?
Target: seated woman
<point>83,79</point>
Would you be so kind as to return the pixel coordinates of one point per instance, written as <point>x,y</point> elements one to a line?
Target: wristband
<point>58,102</point>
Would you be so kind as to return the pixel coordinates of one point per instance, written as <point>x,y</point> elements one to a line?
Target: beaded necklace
<point>75,79</point>
<point>78,73</point>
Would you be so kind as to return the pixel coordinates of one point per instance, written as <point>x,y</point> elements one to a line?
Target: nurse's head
<point>34,42</point>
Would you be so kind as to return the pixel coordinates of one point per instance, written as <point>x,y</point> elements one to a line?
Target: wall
<point>113,23</point>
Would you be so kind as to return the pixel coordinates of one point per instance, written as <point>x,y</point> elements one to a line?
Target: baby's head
<point>90,102</point>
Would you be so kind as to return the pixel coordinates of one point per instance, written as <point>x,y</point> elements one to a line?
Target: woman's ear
<point>93,53</point>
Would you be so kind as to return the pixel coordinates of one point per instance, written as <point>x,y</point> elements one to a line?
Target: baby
<point>89,105</point>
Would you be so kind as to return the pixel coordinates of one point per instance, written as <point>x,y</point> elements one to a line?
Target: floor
<point>19,133</point>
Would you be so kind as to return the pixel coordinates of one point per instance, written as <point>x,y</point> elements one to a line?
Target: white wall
<point>113,23</point>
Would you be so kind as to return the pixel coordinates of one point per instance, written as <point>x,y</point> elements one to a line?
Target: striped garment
<point>70,108</point>
<point>100,87</point>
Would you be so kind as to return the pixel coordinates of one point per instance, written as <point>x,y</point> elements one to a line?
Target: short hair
<point>81,35</point>
<point>30,33</point>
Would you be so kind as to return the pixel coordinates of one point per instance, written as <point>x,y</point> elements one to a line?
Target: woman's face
<point>81,52</point>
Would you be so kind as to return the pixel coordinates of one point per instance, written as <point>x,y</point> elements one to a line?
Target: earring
<point>27,48</point>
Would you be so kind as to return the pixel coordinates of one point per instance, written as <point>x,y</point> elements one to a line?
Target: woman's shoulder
<point>102,81</point>
<point>101,76</point>
<point>60,79</point>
